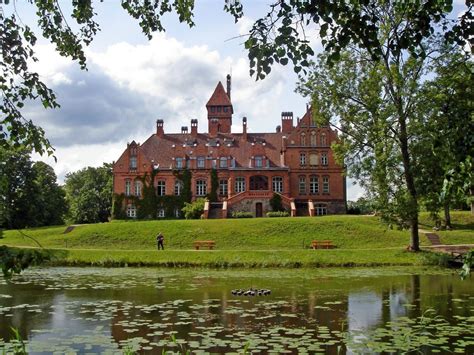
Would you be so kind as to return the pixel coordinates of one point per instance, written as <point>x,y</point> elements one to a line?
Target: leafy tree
<point>89,192</point>
<point>30,195</point>
<point>51,199</point>
<point>278,37</point>
<point>195,209</point>
<point>275,203</point>
<point>376,100</point>
<point>447,148</point>
<point>214,186</point>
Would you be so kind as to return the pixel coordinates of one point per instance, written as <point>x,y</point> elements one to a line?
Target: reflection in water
<point>94,310</point>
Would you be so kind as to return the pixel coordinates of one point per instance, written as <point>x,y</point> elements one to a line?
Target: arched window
<point>223,187</point>
<point>324,159</point>
<point>239,184</point>
<point>302,159</point>
<point>313,185</point>
<point>128,187</point>
<point>303,139</point>
<point>201,187</point>
<point>258,182</point>
<point>302,185</point>
<point>313,139</point>
<point>323,139</point>
<point>326,184</point>
<point>178,186</point>
<point>138,188</point>
<point>161,188</point>
<point>277,184</point>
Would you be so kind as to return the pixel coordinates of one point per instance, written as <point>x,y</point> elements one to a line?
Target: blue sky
<point>131,82</point>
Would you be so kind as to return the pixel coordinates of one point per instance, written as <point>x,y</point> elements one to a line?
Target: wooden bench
<point>210,244</point>
<point>322,244</point>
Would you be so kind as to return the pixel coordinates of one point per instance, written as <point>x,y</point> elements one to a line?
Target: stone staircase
<point>215,210</point>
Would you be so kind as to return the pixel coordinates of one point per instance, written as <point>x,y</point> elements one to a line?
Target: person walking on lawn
<point>159,241</point>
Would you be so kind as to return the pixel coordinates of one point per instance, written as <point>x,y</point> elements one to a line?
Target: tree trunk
<point>447,216</point>
<point>410,181</point>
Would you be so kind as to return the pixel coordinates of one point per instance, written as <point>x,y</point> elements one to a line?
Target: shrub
<point>241,214</point>
<point>278,214</point>
<point>275,203</point>
<point>194,210</point>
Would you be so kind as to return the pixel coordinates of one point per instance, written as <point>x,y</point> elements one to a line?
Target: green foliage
<point>14,261</point>
<point>214,186</point>
<point>278,37</point>
<point>185,176</point>
<point>275,203</point>
<point>19,346</point>
<point>89,193</point>
<point>361,206</point>
<point>195,209</point>
<point>242,214</point>
<point>30,194</point>
<point>118,207</point>
<point>467,265</point>
<point>278,214</point>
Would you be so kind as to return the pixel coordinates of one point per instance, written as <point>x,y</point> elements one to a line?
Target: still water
<point>145,310</point>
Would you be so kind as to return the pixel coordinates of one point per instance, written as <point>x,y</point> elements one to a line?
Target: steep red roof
<point>219,97</point>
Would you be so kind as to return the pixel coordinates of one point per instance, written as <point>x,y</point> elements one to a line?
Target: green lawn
<point>360,240</point>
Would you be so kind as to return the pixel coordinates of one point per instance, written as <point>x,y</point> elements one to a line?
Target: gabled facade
<point>295,161</point>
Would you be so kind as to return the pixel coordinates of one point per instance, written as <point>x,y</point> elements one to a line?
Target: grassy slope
<point>360,240</point>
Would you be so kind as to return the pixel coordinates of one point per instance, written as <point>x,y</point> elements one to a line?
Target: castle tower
<point>220,110</point>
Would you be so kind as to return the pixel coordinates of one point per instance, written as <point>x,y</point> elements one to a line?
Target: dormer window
<point>179,163</point>
<point>201,162</point>
<point>223,162</point>
<point>258,162</point>
<point>226,108</point>
<point>219,108</point>
<point>213,109</point>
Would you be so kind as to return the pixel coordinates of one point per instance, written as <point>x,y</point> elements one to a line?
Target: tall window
<point>223,187</point>
<point>313,185</point>
<point>201,162</point>
<point>201,187</point>
<point>302,159</point>
<point>239,184</point>
<point>178,186</point>
<point>324,159</point>
<point>326,184</point>
<point>258,162</point>
<point>323,139</point>
<point>133,162</point>
<point>138,188</point>
<point>161,188</point>
<point>302,185</point>
<point>223,162</point>
<point>161,213</point>
<point>277,184</point>
<point>131,211</point>
<point>313,138</point>
<point>313,159</point>
<point>179,163</point>
<point>303,139</point>
<point>128,187</point>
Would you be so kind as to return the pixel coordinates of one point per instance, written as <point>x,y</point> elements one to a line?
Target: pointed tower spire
<point>220,110</point>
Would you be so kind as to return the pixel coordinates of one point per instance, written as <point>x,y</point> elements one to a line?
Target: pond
<point>145,310</point>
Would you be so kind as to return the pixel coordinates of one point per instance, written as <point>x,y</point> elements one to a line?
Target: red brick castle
<point>295,161</point>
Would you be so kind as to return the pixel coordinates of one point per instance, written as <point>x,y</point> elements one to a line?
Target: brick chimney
<point>194,127</point>
<point>160,132</point>
<point>184,129</point>
<point>244,128</point>
<point>286,122</point>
